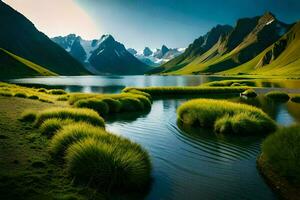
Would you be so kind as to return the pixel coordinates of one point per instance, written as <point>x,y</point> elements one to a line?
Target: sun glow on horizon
<point>57,17</point>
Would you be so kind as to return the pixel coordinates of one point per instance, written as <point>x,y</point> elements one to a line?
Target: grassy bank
<point>27,170</point>
<point>279,161</point>
<point>27,128</point>
<point>188,90</point>
<point>225,117</point>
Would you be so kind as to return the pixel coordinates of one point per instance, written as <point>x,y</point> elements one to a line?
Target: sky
<point>152,23</point>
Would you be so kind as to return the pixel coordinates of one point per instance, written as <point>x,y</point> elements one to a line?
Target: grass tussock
<point>43,90</point>
<point>34,97</point>
<point>225,116</point>
<point>6,94</point>
<point>131,104</point>
<point>134,91</point>
<point>45,100</point>
<point>28,116</point>
<point>21,95</point>
<point>187,90</point>
<point>278,96</point>
<point>56,91</point>
<point>116,102</point>
<point>282,152</point>
<point>50,126</point>
<point>296,98</point>
<point>249,93</point>
<point>106,165</point>
<point>95,104</point>
<point>76,114</point>
<point>63,98</point>
<point>231,83</point>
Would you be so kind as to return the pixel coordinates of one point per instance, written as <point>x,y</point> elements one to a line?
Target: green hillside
<point>259,45</point>
<point>281,58</point>
<point>12,65</point>
<point>19,36</point>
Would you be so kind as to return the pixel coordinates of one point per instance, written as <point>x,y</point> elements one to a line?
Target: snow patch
<point>270,22</point>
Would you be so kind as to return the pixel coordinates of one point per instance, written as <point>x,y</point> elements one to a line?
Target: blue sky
<point>140,23</point>
<point>176,23</point>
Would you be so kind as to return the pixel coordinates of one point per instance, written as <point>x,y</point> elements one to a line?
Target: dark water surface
<point>187,163</point>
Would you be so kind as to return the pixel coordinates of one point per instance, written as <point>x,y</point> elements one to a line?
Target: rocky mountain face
<point>157,57</point>
<point>103,56</point>
<point>20,37</point>
<point>226,47</point>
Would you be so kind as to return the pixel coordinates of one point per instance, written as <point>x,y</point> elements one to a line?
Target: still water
<point>188,163</point>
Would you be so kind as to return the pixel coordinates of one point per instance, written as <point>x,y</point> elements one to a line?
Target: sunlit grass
<point>28,116</point>
<point>76,114</point>
<point>50,126</point>
<point>282,152</point>
<point>20,94</point>
<point>187,90</point>
<point>121,102</point>
<point>225,116</point>
<point>109,166</point>
<point>95,104</point>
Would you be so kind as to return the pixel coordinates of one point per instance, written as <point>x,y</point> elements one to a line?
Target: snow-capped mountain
<point>155,57</point>
<point>105,55</point>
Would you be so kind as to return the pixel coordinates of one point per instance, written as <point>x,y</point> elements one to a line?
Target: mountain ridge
<point>248,38</point>
<point>33,45</point>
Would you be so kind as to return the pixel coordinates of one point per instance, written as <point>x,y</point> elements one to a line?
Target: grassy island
<point>225,117</point>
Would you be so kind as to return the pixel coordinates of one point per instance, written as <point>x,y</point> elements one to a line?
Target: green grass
<point>50,126</point>
<point>56,91</point>
<point>134,91</point>
<point>296,98</point>
<point>45,100</point>
<point>232,83</point>
<point>114,105</point>
<point>282,152</point>
<point>43,90</point>
<point>16,66</point>
<point>35,97</point>
<point>76,114</point>
<point>62,98</point>
<point>6,94</point>
<point>28,116</point>
<point>109,166</point>
<point>95,104</point>
<point>278,95</point>
<point>131,104</point>
<point>20,94</point>
<point>225,116</point>
<point>249,93</point>
<point>187,90</point>
<point>27,171</point>
<point>121,102</point>
<point>240,124</point>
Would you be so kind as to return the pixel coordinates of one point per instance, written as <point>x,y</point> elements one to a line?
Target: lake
<point>188,163</point>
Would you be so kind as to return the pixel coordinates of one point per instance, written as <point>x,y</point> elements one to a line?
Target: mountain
<point>20,37</point>
<point>13,66</point>
<point>103,56</point>
<point>228,47</point>
<point>158,56</point>
<point>280,58</point>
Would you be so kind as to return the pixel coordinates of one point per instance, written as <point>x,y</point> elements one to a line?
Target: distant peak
<point>147,51</point>
<point>164,47</point>
<point>267,18</point>
<point>107,38</point>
